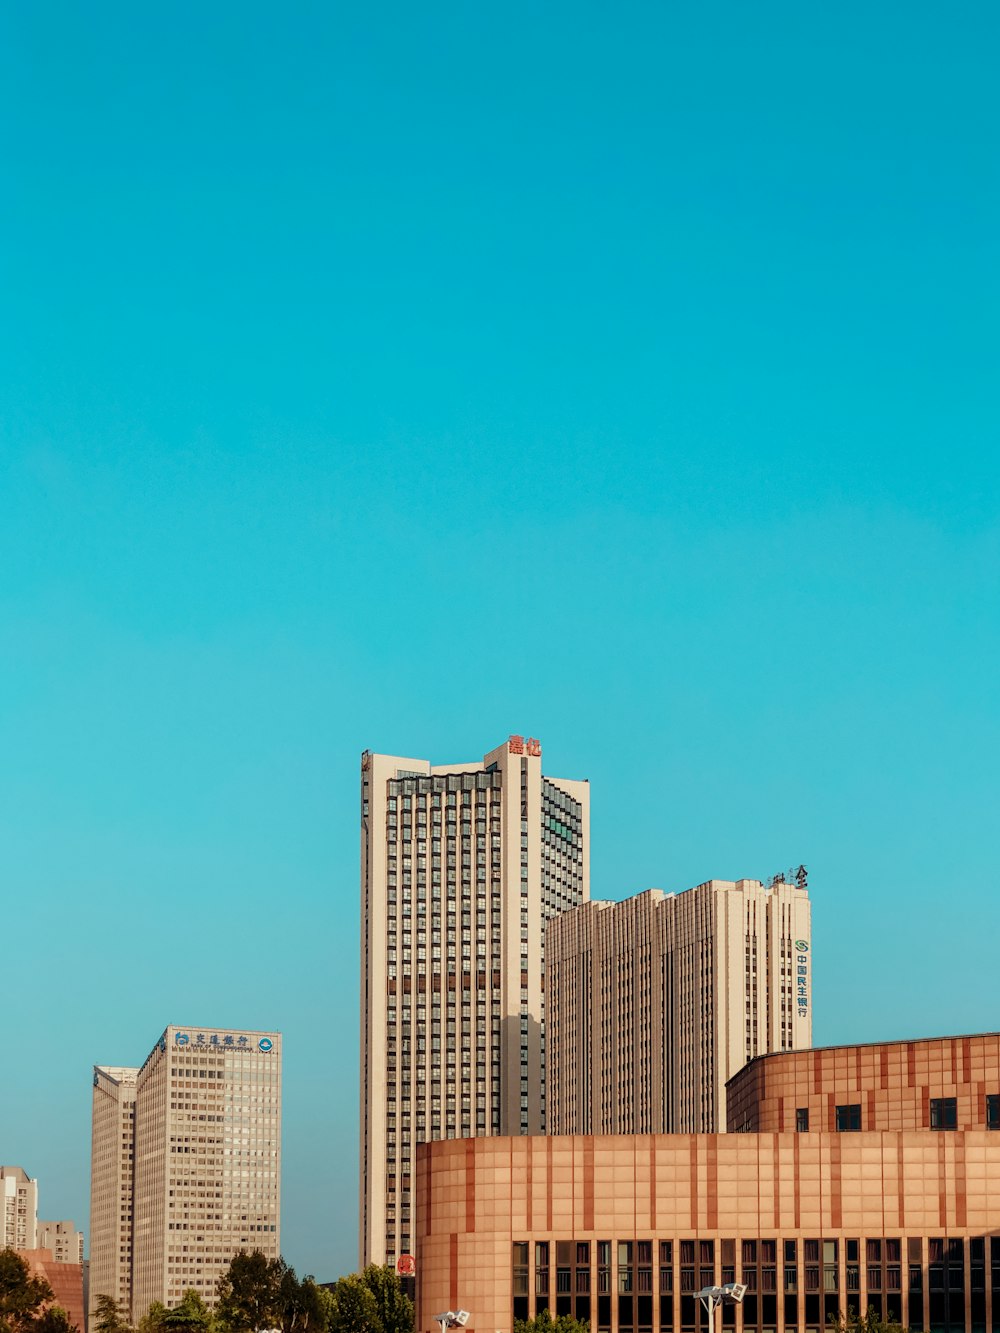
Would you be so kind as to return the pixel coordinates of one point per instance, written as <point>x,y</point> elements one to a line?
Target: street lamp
<point>452,1319</point>
<point>713,1297</point>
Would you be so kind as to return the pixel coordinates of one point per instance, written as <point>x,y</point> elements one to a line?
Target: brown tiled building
<point>934,1083</point>
<point>625,1230</point>
<point>65,1279</point>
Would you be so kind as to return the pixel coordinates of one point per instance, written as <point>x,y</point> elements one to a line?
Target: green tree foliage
<point>303,1306</point>
<point>21,1295</point>
<point>371,1302</point>
<point>395,1309</point>
<point>256,1293</point>
<point>152,1320</point>
<point>107,1316</point>
<point>355,1309</point>
<point>54,1319</point>
<point>248,1293</point>
<point>192,1315</point>
<point>870,1322</point>
<point>544,1323</point>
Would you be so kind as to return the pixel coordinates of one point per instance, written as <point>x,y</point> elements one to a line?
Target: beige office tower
<point>19,1197</point>
<point>461,865</point>
<point>111,1160</point>
<point>207,1153</point>
<point>654,1002</point>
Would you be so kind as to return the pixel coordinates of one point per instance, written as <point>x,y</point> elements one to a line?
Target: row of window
<point>943,1114</point>
<point>799,1278</point>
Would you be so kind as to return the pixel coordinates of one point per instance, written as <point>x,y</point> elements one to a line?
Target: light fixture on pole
<point>452,1319</point>
<point>729,1292</point>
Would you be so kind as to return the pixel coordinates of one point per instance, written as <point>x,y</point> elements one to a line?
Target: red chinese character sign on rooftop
<point>518,745</point>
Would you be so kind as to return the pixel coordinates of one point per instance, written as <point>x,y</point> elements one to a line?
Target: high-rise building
<point>112,1144</point>
<point>461,865</point>
<point>654,1002</point>
<point>205,1134</point>
<point>19,1218</point>
<point>63,1239</point>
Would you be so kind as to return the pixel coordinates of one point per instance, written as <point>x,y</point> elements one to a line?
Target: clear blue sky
<point>404,376</point>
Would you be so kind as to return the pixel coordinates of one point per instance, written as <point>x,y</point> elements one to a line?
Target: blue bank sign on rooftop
<point>229,1041</point>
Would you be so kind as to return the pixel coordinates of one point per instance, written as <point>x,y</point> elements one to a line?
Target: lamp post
<point>712,1297</point>
<point>452,1319</point>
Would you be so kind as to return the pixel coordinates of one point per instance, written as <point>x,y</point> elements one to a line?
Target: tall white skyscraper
<point>461,865</point>
<point>112,1145</point>
<point>201,1120</point>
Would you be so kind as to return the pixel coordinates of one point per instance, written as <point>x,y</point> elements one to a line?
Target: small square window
<point>944,1113</point>
<point>802,1119</point>
<point>848,1118</point>
<point>993,1111</point>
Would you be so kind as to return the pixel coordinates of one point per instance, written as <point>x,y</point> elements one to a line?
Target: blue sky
<point>404,377</point>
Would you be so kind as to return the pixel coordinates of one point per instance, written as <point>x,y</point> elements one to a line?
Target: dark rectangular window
<point>944,1113</point>
<point>848,1118</point>
<point>802,1119</point>
<point>521,1269</point>
<point>993,1110</point>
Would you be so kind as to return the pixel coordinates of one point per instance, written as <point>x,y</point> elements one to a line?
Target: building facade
<point>933,1083</point>
<point>112,1147</point>
<point>654,1002</point>
<point>19,1218</point>
<point>206,1146</point>
<point>65,1277</point>
<point>625,1230</point>
<point>63,1241</point>
<point>461,865</point>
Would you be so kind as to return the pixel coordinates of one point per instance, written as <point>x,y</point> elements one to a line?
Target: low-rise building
<point>900,1212</point>
<point>65,1279</point>
<point>63,1239</point>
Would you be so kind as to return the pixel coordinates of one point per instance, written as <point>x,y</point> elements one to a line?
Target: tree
<point>319,1302</point>
<point>544,1323</point>
<point>21,1295</point>
<point>192,1315</point>
<point>303,1307</point>
<point>395,1309</point>
<point>248,1292</point>
<point>54,1319</point>
<point>371,1302</point>
<point>870,1322</point>
<point>152,1320</point>
<point>107,1316</point>
<point>355,1309</point>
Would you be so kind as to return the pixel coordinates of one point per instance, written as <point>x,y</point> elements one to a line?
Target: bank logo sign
<point>802,978</point>
<point>226,1041</point>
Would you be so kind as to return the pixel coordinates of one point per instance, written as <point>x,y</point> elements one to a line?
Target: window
<point>993,1111</point>
<point>944,1113</point>
<point>802,1119</point>
<point>848,1118</point>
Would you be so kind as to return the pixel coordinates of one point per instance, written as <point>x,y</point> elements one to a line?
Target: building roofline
<point>854,1046</point>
